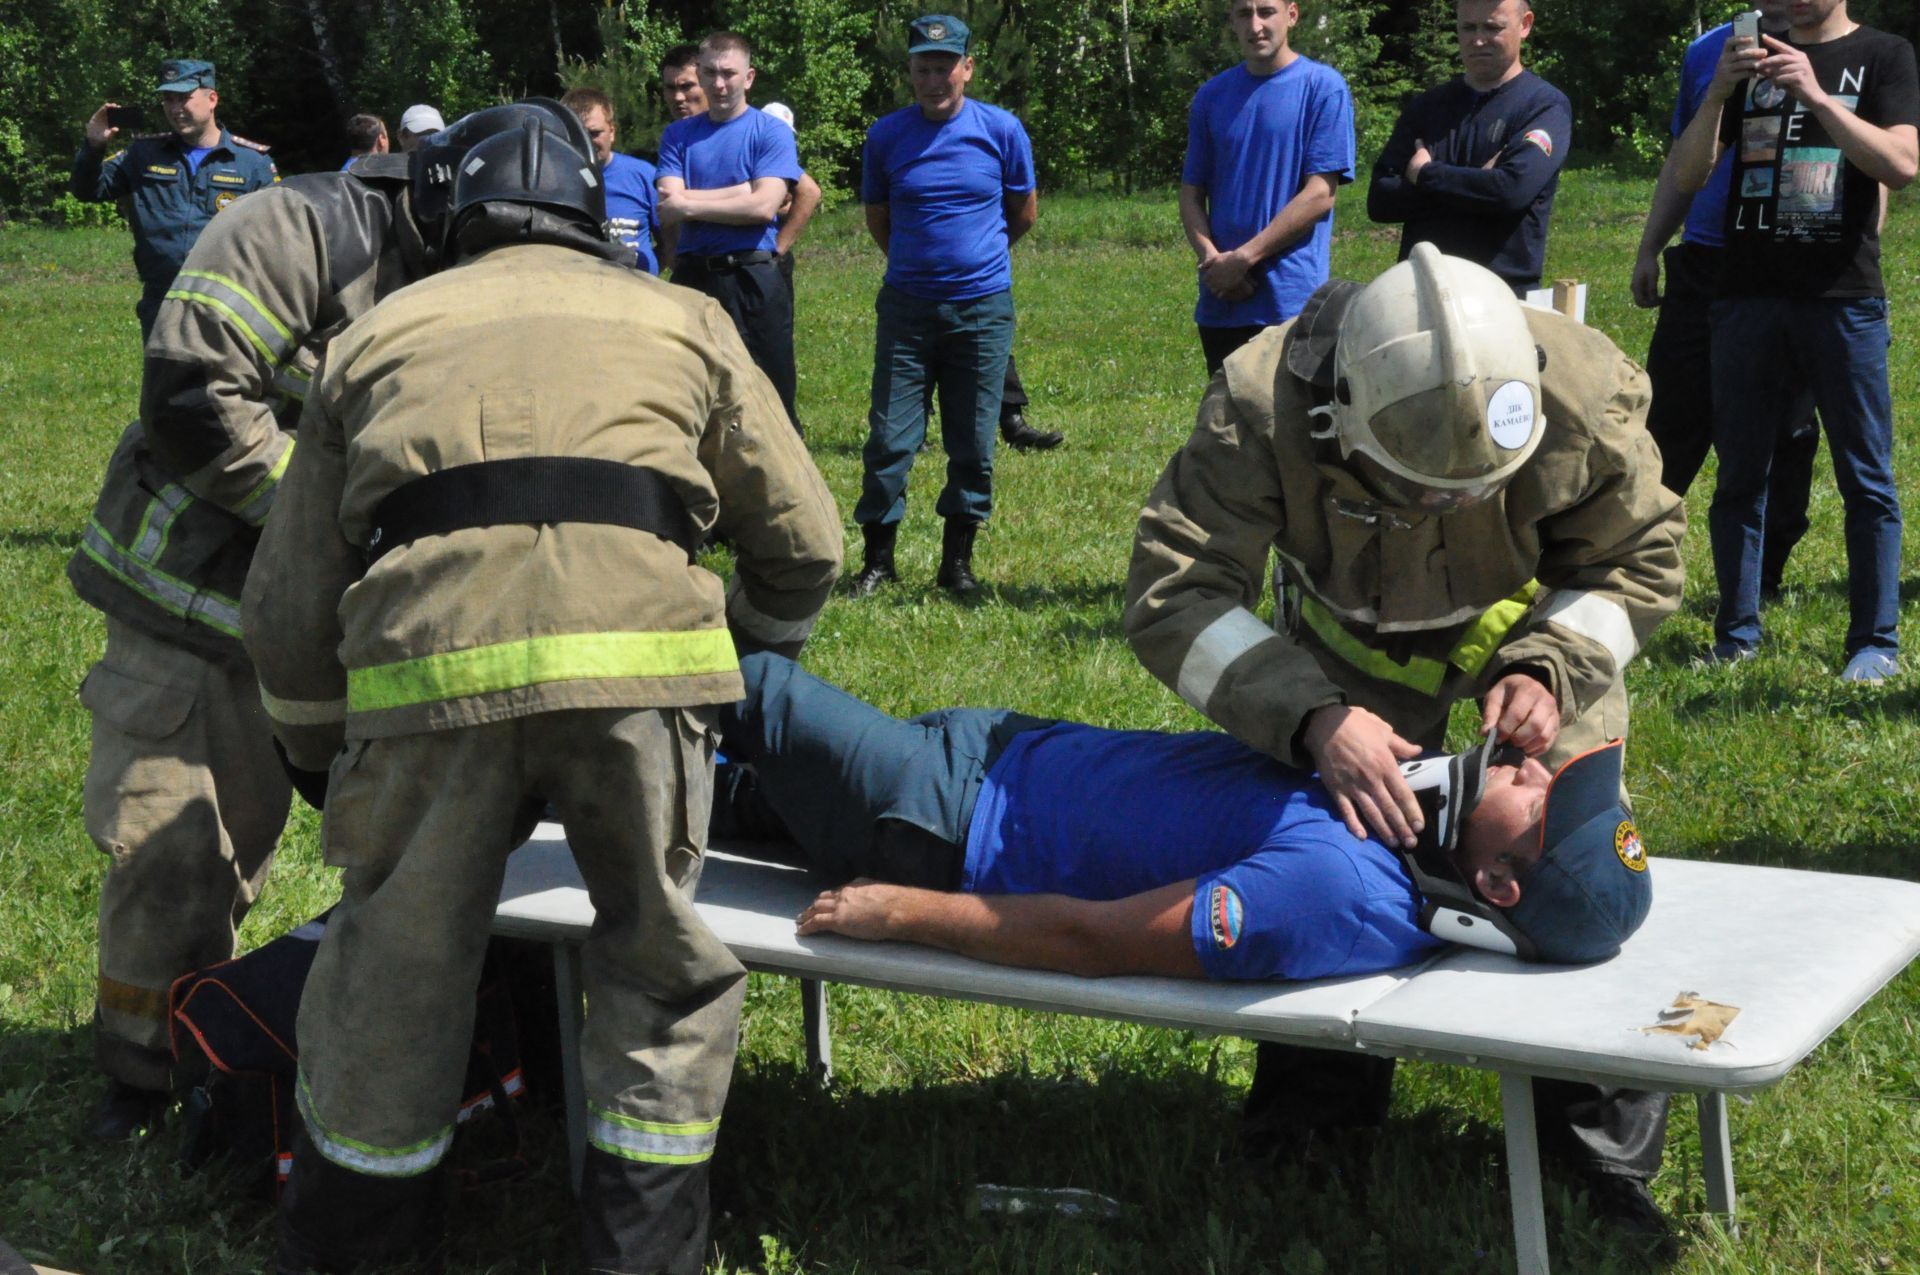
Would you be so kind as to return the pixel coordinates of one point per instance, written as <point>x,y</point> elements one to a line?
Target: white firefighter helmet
<point>1437,384</point>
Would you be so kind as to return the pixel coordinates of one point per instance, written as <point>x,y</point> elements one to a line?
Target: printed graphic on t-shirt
<point>1809,187</point>
<point>1756,183</point>
<point>1765,95</point>
<point>1760,140</point>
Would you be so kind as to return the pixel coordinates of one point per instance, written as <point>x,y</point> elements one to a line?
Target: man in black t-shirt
<point>1817,122</point>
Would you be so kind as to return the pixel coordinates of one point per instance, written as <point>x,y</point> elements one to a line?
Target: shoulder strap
<point>532,489</point>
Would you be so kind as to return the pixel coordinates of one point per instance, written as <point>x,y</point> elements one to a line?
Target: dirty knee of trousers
<point>641,1218</point>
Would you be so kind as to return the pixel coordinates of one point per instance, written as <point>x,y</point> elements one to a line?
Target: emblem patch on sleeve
<point>1626,844</point>
<point>1539,137</point>
<point>1226,918</point>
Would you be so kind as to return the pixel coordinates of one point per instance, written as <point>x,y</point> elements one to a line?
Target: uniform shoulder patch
<point>249,143</point>
<point>1627,844</point>
<point>1226,917</point>
<point>1539,137</point>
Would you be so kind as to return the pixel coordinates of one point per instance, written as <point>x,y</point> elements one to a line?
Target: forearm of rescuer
<point>1294,222</point>
<point>1022,209</point>
<point>1143,934</point>
<point>800,210</point>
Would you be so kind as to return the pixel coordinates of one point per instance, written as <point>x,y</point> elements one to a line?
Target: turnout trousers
<point>186,798</point>
<point>422,826</point>
<point>1296,1090</point>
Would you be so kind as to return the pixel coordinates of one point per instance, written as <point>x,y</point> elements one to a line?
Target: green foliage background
<point>1103,87</point>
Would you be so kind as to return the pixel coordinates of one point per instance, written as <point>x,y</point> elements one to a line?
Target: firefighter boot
<point>876,566</point>
<point>334,1221</point>
<point>643,1219</point>
<point>956,557</point>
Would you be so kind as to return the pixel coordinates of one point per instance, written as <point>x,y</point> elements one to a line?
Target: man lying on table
<point>1053,845</point>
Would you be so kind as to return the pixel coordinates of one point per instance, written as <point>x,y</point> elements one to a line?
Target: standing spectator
<point>629,181</point>
<point>723,179</point>
<point>1680,355</point>
<point>417,123</point>
<point>1268,144</point>
<point>171,183</point>
<point>1817,122</point>
<point>1472,166</point>
<point>948,187</point>
<point>366,135</point>
<point>680,82</point>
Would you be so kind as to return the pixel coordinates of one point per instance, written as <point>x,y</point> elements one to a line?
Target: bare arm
<point>756,205</point>
<point>880,225</point>
<point>1195,220</point>
<point>806,199</point>
<point>1891,156</point>
<point>1022,209</point>
<point>1698,148</point>
<point>1142,934</point>
<point>1667,215</point>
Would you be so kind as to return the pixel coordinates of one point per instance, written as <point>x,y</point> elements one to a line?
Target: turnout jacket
<point>1564,572</point>
<point>531,351</point>
<point>228,364</point>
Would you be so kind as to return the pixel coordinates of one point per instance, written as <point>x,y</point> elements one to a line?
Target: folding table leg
<point>1716,1156</point>
<point>1523,1174</point>
<point>819,1032</point>
<point>573,1013</point>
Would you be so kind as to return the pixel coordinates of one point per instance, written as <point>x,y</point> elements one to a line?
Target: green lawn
<point>1768,762</point>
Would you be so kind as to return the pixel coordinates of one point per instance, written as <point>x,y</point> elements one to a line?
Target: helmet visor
<point>1433,451</point>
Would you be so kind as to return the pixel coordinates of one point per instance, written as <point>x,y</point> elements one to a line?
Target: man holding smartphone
<point>1817,122</point>
<point>170,184</point>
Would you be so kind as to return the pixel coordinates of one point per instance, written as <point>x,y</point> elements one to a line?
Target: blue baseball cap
<point>938,33</point>
<point>1590,888</point>
<point>184,75</point>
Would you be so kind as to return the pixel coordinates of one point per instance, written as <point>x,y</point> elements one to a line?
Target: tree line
<point>1102,88</point>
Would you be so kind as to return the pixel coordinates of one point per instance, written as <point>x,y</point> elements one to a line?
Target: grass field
<point>1769,762</point>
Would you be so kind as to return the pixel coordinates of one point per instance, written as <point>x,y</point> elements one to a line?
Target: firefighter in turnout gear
<point>478,596</point>
<point>1460,501</point>
<point>183,791</point>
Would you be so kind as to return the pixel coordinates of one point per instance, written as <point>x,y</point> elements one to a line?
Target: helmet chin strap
<point>1448,788</point>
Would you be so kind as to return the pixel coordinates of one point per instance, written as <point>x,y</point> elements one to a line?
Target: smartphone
<point>126,116</point>
<point>1746,26</point>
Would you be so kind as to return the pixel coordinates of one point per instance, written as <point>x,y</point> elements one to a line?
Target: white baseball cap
<point>780,111</point>
<point>421,119</point>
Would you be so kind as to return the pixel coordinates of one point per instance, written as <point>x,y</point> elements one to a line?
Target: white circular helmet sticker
<point>1510,415</point>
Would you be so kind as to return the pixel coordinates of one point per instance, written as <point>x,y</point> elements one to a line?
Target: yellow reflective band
<point>264,492</point>
<point>563,657</point>
<point>239,319</point>
<point>364,1157</point>
<point>303,712</point>
<point>244,295</point>
<point>1422,673</point>
<point>653,1142</point>
<point>1484,636</point>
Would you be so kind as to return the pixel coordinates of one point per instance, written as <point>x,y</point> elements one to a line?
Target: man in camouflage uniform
<point>1464,503</point>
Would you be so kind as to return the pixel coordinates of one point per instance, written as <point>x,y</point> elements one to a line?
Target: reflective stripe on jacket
<point>232,352</point>
<point>1565,572</point>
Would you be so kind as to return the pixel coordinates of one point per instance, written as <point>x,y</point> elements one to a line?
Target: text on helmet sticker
<point>1510,415</point>
<point>1627,844</point>
<point>1225,916</point>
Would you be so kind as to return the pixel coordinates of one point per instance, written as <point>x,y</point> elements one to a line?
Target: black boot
<point>956,557</point>
<point>125,1112</point>
<point>876,566</point>
<point>334,1221</point>
<point>643,1219</point>
<point>1023,437</point>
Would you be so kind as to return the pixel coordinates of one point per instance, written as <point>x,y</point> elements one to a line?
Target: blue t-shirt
<point>195,155</point>
<point>1706,216</point>
<point>1252,141</point>
<point>945,184</point>
<point>1282,889</point>
<point>707,156</point>
<point>630,207</point>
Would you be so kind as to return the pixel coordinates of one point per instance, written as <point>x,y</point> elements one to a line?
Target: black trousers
<point>1680,418</point>
<point>759,299</point>
<point>1013,396</point>
<point>1217,343</point>
<point>1596,1128</point>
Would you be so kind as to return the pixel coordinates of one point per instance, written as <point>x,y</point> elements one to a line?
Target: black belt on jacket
<point>728,260</point>
<point>532,489</point>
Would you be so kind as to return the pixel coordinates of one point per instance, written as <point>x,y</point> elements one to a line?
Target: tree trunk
<point>323,49</point>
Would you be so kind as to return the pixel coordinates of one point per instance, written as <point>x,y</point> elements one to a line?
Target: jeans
<point>1680,417</point>
<point>960,349</point>
<point>1838,347</point>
